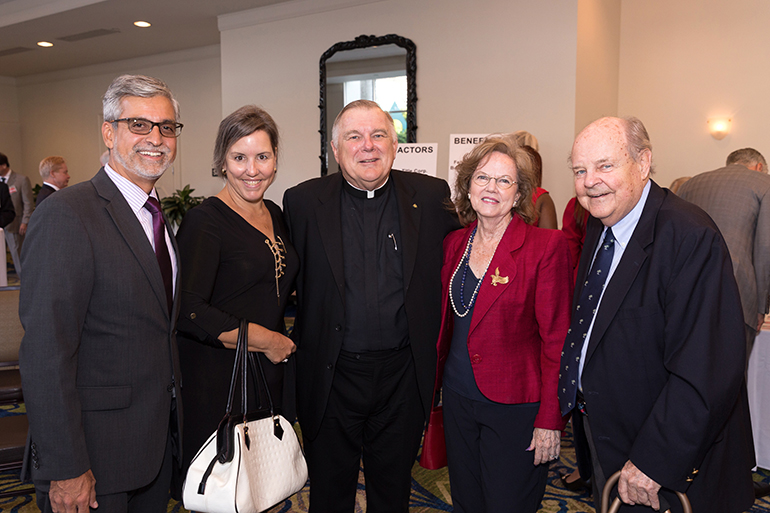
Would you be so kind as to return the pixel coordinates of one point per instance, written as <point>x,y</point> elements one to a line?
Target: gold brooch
<point>496,278</point>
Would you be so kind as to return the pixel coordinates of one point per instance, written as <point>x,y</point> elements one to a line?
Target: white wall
<point>61,115</point>
<point>481,67</point>
<point>683,62</point>
<point>10,126</point>
<point>598,60</point>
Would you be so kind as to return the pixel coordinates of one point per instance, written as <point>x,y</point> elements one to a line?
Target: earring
<point>469,195</point>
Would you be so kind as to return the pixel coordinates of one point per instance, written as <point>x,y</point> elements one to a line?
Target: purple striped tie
<point>161,249</point>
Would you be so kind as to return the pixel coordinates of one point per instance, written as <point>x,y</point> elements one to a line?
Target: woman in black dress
<point>236,262</point>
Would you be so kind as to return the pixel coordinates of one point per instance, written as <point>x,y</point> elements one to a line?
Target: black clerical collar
<point>363,194</point>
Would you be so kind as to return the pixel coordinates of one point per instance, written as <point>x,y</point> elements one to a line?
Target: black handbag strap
<point>243,360</point>
<point>240,346</point>
<point>277,429</point>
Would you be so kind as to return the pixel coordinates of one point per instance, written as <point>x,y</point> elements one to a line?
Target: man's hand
<point>760,322</point>
<point>635,487</point>
<point>23,229</point>
<point>74,495</point>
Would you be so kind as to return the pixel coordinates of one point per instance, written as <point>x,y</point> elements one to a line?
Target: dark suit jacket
<point>99,362</point>
<point>738,200</point>
<point>518,327</point>
<point>7,212</point>
<point>663,377</point>
<point>45,191</point>
<point>312,211</point>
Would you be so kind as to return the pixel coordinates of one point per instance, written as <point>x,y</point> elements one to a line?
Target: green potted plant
<point>177,205</point>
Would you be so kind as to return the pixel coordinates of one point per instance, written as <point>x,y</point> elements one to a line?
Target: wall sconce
<point>719,127</point>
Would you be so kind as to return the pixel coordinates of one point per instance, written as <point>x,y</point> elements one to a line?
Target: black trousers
<point>374,411</point>
<point>490,469</point>
<point>152,498</point>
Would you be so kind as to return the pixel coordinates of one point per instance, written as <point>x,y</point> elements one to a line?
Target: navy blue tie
<point>581,320</point>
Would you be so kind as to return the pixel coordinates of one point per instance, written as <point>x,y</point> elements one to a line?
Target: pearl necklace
<point>465,263</point>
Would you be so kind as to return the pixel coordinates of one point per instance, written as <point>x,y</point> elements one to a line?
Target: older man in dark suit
<point>99,361</point>
<point>55,175</point>
<point>369,298</point>
<point>653,366</point>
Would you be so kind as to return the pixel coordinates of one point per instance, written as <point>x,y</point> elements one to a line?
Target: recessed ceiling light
<point>143,24</point>
<point>44,44</point>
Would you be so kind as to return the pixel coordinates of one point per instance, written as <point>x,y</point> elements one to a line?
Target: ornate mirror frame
<point>364,41</point>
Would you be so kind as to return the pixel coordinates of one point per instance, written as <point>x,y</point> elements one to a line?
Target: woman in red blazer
<point>502,335</point>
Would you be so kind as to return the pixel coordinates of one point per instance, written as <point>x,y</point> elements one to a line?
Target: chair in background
<point>13,428</point>
<point>10,327</point>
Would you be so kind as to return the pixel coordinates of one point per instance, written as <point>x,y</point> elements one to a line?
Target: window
<point>389,93</point>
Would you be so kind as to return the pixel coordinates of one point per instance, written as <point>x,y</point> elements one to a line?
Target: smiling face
<point>141,159</point>
<point>365,148</point>
<point>250,167</point>
<point>608,182</point>
<point>492,201</point>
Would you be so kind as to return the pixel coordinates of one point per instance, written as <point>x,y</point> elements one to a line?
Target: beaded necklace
<point>465,263</point>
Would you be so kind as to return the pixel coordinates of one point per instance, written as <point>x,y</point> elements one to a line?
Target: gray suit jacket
<point>21,196</point>
<point>738,200</point>
<point>99,361</point>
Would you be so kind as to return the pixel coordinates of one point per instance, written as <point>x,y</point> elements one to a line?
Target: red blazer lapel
<point>502,268</point>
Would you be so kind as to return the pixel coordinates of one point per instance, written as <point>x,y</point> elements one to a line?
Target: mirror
<point>379,68</point>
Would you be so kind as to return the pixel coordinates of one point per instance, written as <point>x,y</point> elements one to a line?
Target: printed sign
<point>417,158</point>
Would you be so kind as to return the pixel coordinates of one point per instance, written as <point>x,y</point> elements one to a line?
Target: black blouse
<point>227,273</point>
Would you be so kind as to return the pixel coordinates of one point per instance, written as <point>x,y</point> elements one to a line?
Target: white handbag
<point>252,461</point>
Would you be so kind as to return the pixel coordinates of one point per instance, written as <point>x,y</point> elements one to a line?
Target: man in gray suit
<point>99,360</point>
<point>21,196</point>
<point>737,197</point>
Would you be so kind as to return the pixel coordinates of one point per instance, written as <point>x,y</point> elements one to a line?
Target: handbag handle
<point>243,360</point>
<point>277,429</point>
<point>612,481</point>
<point>240,345</point>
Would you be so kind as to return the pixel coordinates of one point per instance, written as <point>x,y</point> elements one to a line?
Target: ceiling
<point>86,32</point>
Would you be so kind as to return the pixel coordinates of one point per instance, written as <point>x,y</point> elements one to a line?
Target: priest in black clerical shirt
<point>369,301</point>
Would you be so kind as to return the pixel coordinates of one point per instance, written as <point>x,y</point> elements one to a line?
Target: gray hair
<point>48,164</point>
<point>361,104</point>
<point>746,157</point>
<point>134,85</point>
<point>637,138</point>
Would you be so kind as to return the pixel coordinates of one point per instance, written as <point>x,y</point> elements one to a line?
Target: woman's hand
<point>546,444</point>
<point>276,346</point>
<point>278,349</point>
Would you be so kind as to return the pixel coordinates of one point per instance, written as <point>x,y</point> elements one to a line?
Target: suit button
<point>330,366</point>
<point>476,358</point>
<point>170,387</point>
<point>193,315</point>
<point>338,327</point>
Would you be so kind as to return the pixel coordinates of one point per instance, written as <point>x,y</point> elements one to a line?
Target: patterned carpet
<point>430,488</point>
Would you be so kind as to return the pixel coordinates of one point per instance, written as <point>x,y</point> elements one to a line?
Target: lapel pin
<point>414,205</point>
<point>496,278</point>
